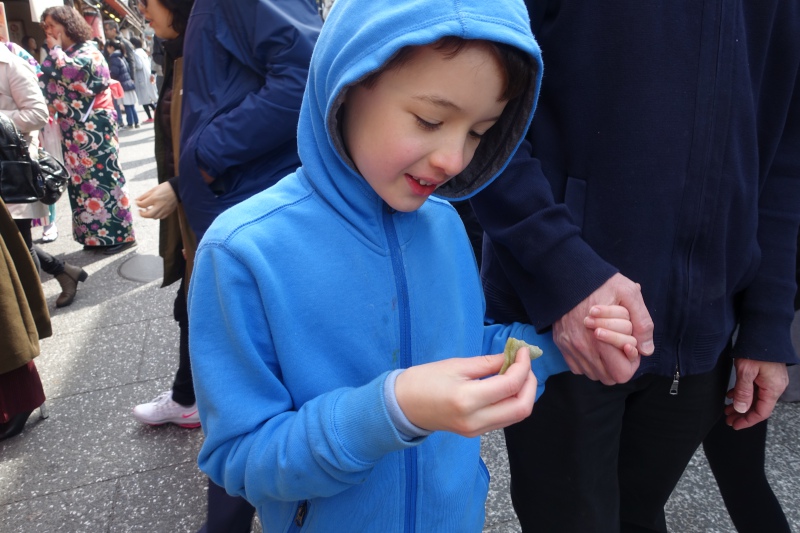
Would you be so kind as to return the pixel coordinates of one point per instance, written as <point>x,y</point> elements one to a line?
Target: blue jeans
<point>131,115</point>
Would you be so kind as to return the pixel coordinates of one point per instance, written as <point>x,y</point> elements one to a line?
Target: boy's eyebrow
<point>438,101</point>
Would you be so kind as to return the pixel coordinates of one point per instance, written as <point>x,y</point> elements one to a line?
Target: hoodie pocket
<point>575,199</point>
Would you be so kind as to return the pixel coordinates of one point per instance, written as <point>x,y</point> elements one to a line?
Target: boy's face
<point>421,123</point>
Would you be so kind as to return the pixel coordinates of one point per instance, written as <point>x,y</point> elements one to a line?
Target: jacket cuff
<point>363,425</point>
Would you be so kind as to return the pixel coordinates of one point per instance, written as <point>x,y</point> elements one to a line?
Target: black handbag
<point>23,180</point>
<point>19,180</point>
<point>54,177</point>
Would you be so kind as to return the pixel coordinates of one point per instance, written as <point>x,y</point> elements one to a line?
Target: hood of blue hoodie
<point>358,37</point>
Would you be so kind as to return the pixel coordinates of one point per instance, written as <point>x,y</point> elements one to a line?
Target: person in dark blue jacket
<point>245,70</point>
<point>664,151</point>
<point>118,68</point>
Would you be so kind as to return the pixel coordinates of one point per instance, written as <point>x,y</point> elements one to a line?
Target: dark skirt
<point>20,391</point>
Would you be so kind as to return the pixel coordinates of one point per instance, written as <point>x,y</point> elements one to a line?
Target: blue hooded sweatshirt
<point>305,297</point>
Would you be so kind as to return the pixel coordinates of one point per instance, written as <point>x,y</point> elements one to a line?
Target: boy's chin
<point>406,206</point>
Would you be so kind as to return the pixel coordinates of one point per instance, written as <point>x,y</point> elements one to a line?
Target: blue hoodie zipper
<point>398,269</point>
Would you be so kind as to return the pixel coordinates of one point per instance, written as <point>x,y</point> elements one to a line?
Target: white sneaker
<point>163,410</point>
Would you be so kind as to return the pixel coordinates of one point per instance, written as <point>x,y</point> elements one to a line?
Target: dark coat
<point>245,70</point>
<point>24,318</point>
<point>118,69</point>
<point>167,127</point>
<point>679,165</point>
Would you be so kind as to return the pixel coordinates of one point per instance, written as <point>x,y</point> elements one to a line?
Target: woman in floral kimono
<point>75,80</point>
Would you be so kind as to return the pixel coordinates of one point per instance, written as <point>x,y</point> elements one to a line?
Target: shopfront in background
<point>22,17</point>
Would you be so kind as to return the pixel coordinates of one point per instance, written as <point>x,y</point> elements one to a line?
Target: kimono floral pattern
<point>101,211</point>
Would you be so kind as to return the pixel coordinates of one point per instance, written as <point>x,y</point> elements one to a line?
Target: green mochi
<point>512,345</point>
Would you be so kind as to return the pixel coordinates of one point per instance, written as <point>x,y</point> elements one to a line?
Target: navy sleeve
<point>539,249</point>
<point>280,46</point>
<point>767,303</point>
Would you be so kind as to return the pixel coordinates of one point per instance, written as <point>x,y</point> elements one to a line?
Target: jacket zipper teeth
<point>300,515</point>
<point>410,454</point>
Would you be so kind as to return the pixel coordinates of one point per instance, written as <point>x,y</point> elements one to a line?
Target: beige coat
<point>22,101</point>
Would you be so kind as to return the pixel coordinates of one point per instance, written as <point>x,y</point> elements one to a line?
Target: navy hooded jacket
<point>244,71</point>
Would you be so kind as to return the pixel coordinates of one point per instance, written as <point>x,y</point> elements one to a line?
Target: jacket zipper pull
<point>673,390</point>
<point>300,517</point>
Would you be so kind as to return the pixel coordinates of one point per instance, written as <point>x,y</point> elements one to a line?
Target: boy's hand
<point>450,395</point>
<point>159,202</point>
<point>612,325</point>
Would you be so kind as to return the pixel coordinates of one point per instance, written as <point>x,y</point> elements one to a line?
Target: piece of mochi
<point>510,352</point>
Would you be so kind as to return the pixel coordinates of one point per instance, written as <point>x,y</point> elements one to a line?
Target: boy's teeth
<point>423,182</point>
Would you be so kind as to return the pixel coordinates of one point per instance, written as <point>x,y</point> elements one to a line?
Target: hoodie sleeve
<point>258,443</point>
<point>551,268</point>
<point>280,48</point>
<point>767,303</point>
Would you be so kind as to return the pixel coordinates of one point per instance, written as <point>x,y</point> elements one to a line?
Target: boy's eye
<point>476,135</point>
<point>424,124</point>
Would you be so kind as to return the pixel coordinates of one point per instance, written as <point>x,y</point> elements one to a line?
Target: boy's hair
<point>516,65</point>
<point>136,42</point>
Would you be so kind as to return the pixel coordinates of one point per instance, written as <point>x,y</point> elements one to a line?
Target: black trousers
<point>737,462</point>
<point>226,513</point>
<point>147,108</point>
<point>43,260</point>
<point>183,385</point>
<point>594,458</point>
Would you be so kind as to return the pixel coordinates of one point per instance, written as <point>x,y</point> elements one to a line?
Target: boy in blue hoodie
<point>338,340</point>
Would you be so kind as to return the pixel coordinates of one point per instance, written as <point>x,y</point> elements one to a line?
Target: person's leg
<point>146,108</point>
<point>129,115</point>
<point>226,513</point>
<point>736,459</point>
<point>120,115</point>
<point>68,276</point>
<point>50,231</point>
<point>50,264</point>
<point>563,458</point>
<point>661,433</point>
<point>135,116</point>
<point>24,227</point>
<point>183,385</point>
<point>176,406</point>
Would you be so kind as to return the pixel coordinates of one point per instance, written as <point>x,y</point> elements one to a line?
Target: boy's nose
<point>449,158</point>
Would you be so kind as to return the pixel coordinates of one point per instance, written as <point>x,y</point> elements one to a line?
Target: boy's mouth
<point>421,186</point>
<point>423,182</point>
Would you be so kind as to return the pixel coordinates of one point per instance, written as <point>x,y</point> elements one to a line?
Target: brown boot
<point>69,283</point>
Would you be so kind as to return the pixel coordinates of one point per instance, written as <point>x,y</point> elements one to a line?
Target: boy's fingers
<point>614,338</point>
<point>609,311</point>
<point>620,325</point>
<point>509,409</point>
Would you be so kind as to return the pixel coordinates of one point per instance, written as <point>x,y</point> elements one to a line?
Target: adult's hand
<point>759,384</point>
<point>159,202</point>
<point>53,40</point>
<point>599,361</point>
